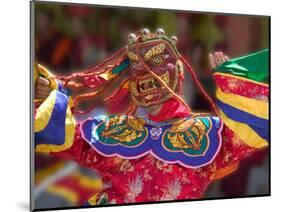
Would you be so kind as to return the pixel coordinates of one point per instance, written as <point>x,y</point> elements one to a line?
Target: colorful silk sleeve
<point>54,124</point>
<point>57,132</point>
<point>242,98</point>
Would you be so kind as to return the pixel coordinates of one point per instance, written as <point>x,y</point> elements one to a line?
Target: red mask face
<point>162,59</point>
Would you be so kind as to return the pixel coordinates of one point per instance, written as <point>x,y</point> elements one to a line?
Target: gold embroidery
<point>133,88</point>
<point>133,128</point>
<point>132,56</point>
<point>180,130</point>
<point>199,129</point>
<point>165,77</point>
<point>126,136</point>
<point>178,141</point>
<point>136,123</point>
<point>155,51</point>
<point>181,126</point>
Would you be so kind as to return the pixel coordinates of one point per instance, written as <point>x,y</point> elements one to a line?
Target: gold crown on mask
<point>146,35</point>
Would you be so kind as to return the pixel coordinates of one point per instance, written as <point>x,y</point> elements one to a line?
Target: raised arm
<point>242,98</point>
<point>56,130</point>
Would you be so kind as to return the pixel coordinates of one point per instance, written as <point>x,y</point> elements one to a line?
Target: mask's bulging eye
<point>157,60</point>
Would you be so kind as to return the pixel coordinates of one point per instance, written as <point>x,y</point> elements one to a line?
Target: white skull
<point>155,133</point>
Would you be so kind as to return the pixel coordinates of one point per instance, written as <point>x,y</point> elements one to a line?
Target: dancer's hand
<point>217,58</point>
<point>42,88</point>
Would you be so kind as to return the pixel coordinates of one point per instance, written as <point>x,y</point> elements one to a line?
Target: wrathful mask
<point>155,67</point>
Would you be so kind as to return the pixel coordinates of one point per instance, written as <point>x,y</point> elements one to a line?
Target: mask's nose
<point>139,69</point>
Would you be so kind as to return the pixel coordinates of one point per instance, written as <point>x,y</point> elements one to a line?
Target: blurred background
<point>71,37</point>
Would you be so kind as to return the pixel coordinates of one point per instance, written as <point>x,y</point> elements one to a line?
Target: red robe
<point>147,179</point>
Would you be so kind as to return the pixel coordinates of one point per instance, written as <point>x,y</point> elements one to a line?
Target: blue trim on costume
<point>262,132</point>
<point>60,88</point>
<point>259,125</point>
<point>54,132</point>
<point>154,146</point>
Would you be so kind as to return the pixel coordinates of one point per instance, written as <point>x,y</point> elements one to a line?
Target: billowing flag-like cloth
<point>242,97</point>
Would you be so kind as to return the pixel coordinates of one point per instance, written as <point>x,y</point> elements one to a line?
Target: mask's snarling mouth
<point>149,84</point>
